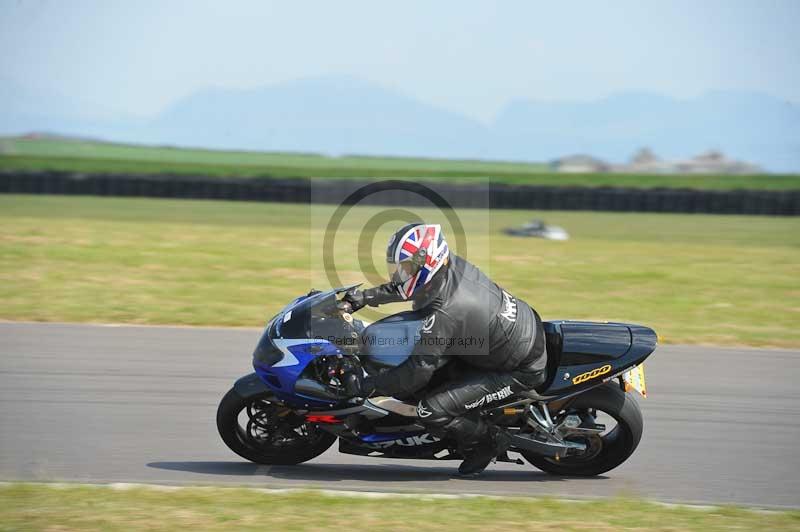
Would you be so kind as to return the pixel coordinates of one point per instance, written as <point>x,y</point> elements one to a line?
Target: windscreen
<point>293,322</point>
<point>312,317</point>
<point>296,319</point>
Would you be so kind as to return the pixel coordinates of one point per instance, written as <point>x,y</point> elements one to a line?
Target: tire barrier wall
<point>500,196</point>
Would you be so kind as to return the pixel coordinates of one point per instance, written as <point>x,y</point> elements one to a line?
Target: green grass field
<point>694,278</point>
<point>47,507</point>
<point>96,157</point>
<point>59,148</point>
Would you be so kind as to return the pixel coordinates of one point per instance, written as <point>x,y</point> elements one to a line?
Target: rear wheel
<point>264,432</point>
<point>612,407</point>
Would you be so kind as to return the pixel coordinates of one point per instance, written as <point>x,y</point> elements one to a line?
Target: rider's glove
<point>355,297</point>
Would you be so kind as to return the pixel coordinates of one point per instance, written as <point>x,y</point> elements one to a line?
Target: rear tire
<point>617,445</point>
<point>243,442</point>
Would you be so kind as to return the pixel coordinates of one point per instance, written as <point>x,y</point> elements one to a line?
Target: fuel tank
<point>388,342</point>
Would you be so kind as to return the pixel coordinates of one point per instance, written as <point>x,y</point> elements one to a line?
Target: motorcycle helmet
<point>414,254</point>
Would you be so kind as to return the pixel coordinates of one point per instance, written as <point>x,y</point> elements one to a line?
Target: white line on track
<point>123,486</point>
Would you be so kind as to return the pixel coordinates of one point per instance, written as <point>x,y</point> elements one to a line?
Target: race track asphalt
<point>89,403</point>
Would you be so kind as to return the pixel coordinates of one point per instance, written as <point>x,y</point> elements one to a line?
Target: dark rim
<point>272,427</point>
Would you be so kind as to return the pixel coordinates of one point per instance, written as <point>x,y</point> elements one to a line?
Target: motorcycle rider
<point>466,317</point>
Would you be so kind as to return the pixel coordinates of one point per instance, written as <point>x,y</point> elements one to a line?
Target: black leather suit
<point>493,343</point>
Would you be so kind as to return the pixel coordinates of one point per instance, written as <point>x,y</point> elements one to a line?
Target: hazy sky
<point>471,57</point>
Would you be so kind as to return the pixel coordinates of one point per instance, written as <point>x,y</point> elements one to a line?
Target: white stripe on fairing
<point>288,357</point>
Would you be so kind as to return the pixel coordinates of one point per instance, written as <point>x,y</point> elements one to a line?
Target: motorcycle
<point>582,421</point>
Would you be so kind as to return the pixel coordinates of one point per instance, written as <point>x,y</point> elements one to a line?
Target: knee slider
<point>431,415</point>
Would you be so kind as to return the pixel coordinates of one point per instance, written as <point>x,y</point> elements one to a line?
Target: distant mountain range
<point>339,115</point>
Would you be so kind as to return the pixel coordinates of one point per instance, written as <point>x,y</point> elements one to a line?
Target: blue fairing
<point>288,345</point>
<point>282,378</point>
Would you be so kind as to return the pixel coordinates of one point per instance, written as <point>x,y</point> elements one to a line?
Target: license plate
<point>634,380</point>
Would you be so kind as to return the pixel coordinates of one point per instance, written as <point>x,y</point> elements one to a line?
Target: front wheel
<point>264,432</point>
<point>611,406</point>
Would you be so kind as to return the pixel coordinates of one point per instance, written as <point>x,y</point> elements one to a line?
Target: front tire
<point>271,435</point>
<point>609,450</point>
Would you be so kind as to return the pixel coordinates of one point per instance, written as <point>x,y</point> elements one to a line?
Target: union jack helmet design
<point>414,255</point>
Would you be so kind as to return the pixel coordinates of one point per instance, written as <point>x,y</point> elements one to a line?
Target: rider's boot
<point>477,457</point>
<point>481,449</point>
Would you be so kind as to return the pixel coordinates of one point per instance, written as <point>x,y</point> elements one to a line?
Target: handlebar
<point>344,306</point>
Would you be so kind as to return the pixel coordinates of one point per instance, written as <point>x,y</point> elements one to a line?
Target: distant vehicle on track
<point>538,229</point>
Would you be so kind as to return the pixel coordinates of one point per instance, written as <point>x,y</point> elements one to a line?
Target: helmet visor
<point>401,272</point>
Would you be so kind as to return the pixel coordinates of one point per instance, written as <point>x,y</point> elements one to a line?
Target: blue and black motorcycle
<point>583,420</point>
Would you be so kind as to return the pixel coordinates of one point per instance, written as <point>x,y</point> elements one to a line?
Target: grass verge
<point>103,157</point>
<point>727,280</point>
<point>44,507</point>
